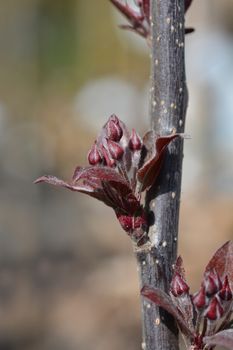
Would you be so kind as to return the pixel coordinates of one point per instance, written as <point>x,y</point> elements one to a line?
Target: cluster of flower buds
<point>205,317</point>
<point>121,166</point>
<point>108,149</point>
<point>139,20</point>
<point>214,297</point>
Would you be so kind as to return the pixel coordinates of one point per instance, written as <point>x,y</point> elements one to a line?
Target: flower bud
<point>226,292</point>
<point>135,142</point>
<point>212,283</point>
<point>178,285</point>
<point>115,150</point>
<point>109,161</point>
<point>114,130</point>
<point>199,299</point>
<point>94,156</point>
<point>214,310</point>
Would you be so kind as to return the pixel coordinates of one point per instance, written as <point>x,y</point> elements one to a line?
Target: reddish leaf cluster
<point>139,20</point>
<point>205,317</point>
<point>122,166</point>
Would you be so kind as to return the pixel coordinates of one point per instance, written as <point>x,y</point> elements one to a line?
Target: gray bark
<point>168,109</point>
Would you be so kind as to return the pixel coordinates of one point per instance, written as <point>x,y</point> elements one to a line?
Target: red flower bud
<point>212,283</point>
<point>214,310</point>
<point>115,150</point>
<point>109,161</point>
<point>225,293</point>
<point>114,130</point>
<point>94,156</point>
<point>199,299</point>
<point>178,285</point>
<point>135,142</point>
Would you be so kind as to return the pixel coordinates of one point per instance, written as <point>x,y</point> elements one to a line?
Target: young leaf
<point>136,19</point>
<point>146,9</point>
<point>149,172</point>
<point>89,187</point>
<point>102,183</point>
<point>187,4</point>
<point>126,10</point>
<point>223,338</point>
<point>53,180</point>
<point>222,262</point>
<point>163,300</point>
<point>102,174</point>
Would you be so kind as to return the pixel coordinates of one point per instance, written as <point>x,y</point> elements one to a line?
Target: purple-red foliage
<point>122,166</point>
<point>139,20</point>
<point>204,318</point>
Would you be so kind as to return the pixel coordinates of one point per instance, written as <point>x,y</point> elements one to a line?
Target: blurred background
<point>68,278</point>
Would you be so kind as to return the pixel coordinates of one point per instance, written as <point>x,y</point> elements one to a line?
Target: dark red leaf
<point>53,180</point>
<point>149,172</point>
<point>100,173</point>
<point>102,183</point>
<point>89,187</point>
<point>122,200</point>
<point>146,9</point>
<point>187,4</point>
<point>223,338</point>
<point>127,11</point>
<point>222,262</point>
<point>112,185</point>
<point>135,19</point>
<point>163,300</point>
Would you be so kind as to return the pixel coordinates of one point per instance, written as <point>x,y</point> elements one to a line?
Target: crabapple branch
<point>168,110</point>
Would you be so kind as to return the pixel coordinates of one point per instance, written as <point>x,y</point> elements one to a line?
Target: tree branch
<point>168,109</point>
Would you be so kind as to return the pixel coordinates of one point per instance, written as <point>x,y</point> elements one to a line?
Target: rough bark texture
<point>168,109</point>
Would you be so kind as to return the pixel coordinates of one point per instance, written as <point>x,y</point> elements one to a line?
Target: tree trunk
<point>168,109</point>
